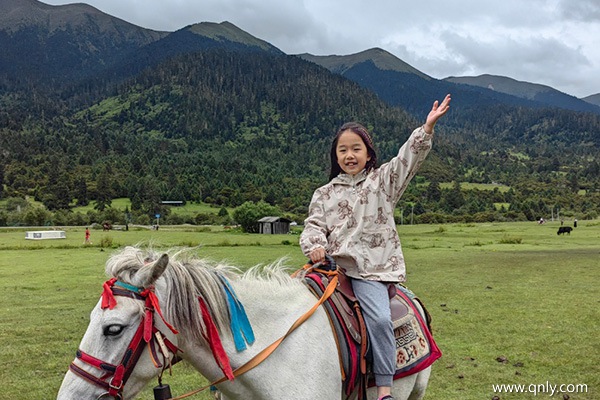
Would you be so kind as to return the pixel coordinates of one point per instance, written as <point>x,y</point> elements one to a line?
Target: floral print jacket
<point>352,217</point>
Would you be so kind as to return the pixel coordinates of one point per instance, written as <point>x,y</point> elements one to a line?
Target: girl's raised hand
<point>437,111</point>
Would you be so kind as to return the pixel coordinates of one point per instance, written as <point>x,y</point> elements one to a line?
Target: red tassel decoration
<point>148,324</point>
<point>212,336</point>
<point>151,296</point>
<point>108,299</point>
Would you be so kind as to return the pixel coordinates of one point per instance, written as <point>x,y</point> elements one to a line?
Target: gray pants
<point>375,303</point>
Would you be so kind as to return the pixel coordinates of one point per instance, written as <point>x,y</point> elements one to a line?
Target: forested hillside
<point>212,126</point>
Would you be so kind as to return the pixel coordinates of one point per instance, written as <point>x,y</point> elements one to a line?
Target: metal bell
<point>162,392</point>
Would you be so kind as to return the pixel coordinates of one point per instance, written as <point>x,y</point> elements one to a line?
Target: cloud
<point>580,10</point>
<point>507,53</point>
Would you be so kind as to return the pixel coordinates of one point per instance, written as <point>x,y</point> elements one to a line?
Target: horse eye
<point>113,330</point>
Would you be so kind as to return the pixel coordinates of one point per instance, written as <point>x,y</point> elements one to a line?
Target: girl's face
<point>352,154</point>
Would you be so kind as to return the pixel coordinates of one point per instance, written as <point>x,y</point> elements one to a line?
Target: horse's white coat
<point>304,366</point>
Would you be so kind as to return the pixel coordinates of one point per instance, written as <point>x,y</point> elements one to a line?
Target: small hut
<point>274,225</point>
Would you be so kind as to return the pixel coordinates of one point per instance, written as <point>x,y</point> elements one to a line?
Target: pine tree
<point>81,192</point>
<point>103,190</point>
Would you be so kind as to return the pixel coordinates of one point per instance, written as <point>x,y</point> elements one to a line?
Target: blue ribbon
<point>129,287</point>
<point>240,326</point>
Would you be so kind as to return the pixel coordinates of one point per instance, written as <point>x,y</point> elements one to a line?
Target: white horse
<point>305,365</point>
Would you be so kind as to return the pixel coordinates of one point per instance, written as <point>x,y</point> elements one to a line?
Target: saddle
<point>415,347</point>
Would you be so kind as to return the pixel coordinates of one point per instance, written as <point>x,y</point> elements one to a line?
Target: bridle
<point>115,376</point>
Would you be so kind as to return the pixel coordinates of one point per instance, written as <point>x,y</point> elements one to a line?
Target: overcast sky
<point>550,42</point>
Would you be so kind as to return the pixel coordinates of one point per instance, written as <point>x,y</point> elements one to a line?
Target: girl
<point>352,219</point>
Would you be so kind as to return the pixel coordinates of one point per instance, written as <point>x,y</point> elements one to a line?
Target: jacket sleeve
<point>314,234</point>
<point>396,174</point>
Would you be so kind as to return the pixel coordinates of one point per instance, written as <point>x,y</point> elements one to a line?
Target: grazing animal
<point>564,229</point>
<point>174,292</point>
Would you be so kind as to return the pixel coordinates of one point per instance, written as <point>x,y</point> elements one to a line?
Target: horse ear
<point>151,272</point>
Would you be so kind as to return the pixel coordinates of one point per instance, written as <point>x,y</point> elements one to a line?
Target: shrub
<point>106,241</point>
<point>475,243</point>
<point>431,218</point>
<point>175,219</point>
<point>440,229</point>
<point>485,216</point>
<point>207,219</point>
<point>510,240</point>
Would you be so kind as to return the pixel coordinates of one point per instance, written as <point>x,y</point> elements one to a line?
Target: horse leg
<point>420,385</point>
<point>402,388</point>
<point>411,387</point>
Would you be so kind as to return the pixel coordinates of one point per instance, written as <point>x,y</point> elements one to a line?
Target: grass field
<point>514,292</point>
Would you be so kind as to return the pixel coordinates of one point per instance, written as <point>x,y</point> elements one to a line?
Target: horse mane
<point>187,278</point>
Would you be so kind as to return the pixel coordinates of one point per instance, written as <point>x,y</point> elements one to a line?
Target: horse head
<point>127,342</point>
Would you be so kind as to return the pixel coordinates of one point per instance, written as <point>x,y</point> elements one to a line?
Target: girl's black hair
<point>366,138</point>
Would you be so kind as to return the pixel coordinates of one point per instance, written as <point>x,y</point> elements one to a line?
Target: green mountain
<point>209,112</point>
<point>42,44</point>
<point>226,32</point>
<point>382,59</point>
<point>59,48</point>
<point>530,91</point>
<point>399,84</point>
<point>593,99</point>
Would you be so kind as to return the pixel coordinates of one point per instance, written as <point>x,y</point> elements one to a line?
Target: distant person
<point>87,236</point>
<point>575,223</point>
<point>352,219</point>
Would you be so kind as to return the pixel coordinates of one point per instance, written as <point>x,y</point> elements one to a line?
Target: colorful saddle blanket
<point>415,347</point>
